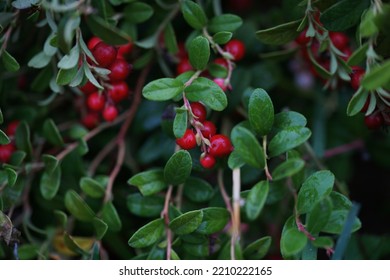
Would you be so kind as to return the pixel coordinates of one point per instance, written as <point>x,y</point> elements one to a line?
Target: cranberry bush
<point>189,129</point>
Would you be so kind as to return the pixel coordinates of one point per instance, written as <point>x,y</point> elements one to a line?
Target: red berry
<point>104,54</point>
<point>374,121</point>
<point>110,113</point>
<point>188,141</point>
<point>91,120</point>
<point>221,61</point>
<point>183,66</point>
<point>93,42</point>
<point>220,146</point>
<point>347,52</point>
<point>208,130</point>
<point>125,49</point>
<point>236,48</point>
<point>207,161</point>
<point>96,101</point>
<point>118,91</point>
<point>6,152</point>
<point>11,128</point>
<point>221,83</point>
<point>356,76</point>
<point>182,52</point>
<point>339,40</point>
<point>199,111</point>
<point>302,39</point>
<point>120,69</point>
<point>88,88</point>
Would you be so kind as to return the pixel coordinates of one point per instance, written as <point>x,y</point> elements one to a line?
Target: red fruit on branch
<point>188,141</point>
<point>93,42</point>
<point>110,113</point>
<point>199,111</point>
<point>118,91</point>
<point>96,101</point>
<point>374,121</point>
<point>207,161</point>
<point>88,88</point>
<point>6,152</point>
<point>120,69</point>
<point>208,130</point>
<point>339,40</point>
<point>236,48</point>
<point>183,66</point>
<point>220,146</point>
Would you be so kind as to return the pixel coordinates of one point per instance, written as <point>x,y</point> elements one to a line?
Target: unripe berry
<point>208,130</point>
<point>207,161</point>
<point>220,146</point>
<point>188,141</point>
<point>118,91</point>
<point>104,54</point>
<point>199,111</point>
<point>110,113</point>
<point>120,69</point>
<point>236,48</point>
<point>96,101</point>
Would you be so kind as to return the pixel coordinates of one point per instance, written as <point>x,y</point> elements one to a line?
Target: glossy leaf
<point>224,22</point>
<point>323,242</point>
<point>100,227</point>
<point>198,190</point>
<point>214,220</point>
<point>9,62</point>
<point>261,112</point>
<point>257,249</point>
<point>288,139</point>
<point>40,60</point>
<point>162,89</point>
<point>315,188</point>
<point>247,147</point>
<point>22,138</point>
<point>138,12</point>
<point>52,134</point>
<point>288,119</point>
<point>108,33</point>
<point>292,242</point>
<point>279,35</point>
<point>235,160</point>
<point>79,245</point>
<point>256,199</point>
<point>51,163</point>
<point>208,92</point>
<point>222,37</point>
<point>78,207</point>
<point>50,183</point>
<point>178,168</point>
<point>111,218</point>
<point>149,182</point>
<point>92,187</point>
<point>70,60</point>
<point>377,77</point>
<point>170,39</point>
<point>4,140</point>
<point>180,122</point>
<point>319,216</point>
<point>187,222</point>
<point>61,218</point>
<point>287,168</point>
<point>337,220</point>
<point>145,206</point>
<point>357,102</point>
<point>12,176</point>
<point>148,234</point>
<point>199,52</point>
<point>193,14</point>
<point>358,56</point>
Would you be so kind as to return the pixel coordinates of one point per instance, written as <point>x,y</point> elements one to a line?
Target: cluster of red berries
<point>115,87</point>
<point>7,150</point>
<point>214,145</point>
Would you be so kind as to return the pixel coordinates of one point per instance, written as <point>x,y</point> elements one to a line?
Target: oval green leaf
<point>224,22</point>
<point>178,168</point>
<point>288,139</point>
<point>148,234</point>
<point>279,35</point>
<point>214,220</point>
<point>256,199</point>
<point>162,89</point>
<point>78,207</point>
<point>92,187</point>
<point>193,14</point>
<point>261,112</point>
<point>50,183</point>
<point>288,168</point>
<point>149,182</point>
<point>198,190</point>
<point>187,222</point>
<point>199,52</point>
<point>111,218</point>
<point>145,206</point>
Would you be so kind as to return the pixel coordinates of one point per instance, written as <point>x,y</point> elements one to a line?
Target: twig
<point>165,216</point>
<point>236,222</point>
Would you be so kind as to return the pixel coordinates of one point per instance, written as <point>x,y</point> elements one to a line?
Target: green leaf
<point>261,112</point>
<point>4,140</point>
<point>217,70</point>
<point>187,222</point>
<point>73,243</point>
<point>357,102</point>
<point>1,117</point>
<point>323,242</point>
<point>50,183</point>
<point>77,207</point>
<point>358,56</point>
<point>199,52</point>
<point>180,122</point>
<point>344,14</point>
<point>163,89</point>
<point>17,158</point>
<point>149,182</point>
<point>170,39</point>
<point>205,90</point>
<point>9,62</point>
<point>70,60</point>
<point>65,76</point>
<point>377,77</point>
<point>138,12</point>
<point>256,199</point>
<point>258,249</point>
<point>61,218</point>
<point>22,138</point>
<point>24,4</point>
<point>198,190</point>
<point>224,22</point>
<point>148,234</point>
<point>107,32</point>
<point>288,119</point>
<point>77,131</point>
<point>40,60</point>
<point>214,220</point>
<point>247,147</point>
<point>288,168</point>
<point>51,163</point>
<point>368,27</point>
<point>288,139</point>
<point>315,188</point>
<point>145,206</point>
<point>111,218</point>
<point>337,220</point>
<point>292,242</point>
<point>51,133</point>
<point>193,14</point>
<point>28,251</point>
<point>324,73</point>
<point>235,160</point>
<point>89,75</point>
<point>12,176</point>
<point>92,187</point>
<point>319,216</point>
<point>222,37</point>
<point>100,228</point>
<point>279,35</point>
<point>178,168</point>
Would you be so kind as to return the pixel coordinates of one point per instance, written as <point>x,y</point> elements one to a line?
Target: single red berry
<point>339,40</point>
<point>93,42</point>
<point>208,130</point>
<point>222,62</point>
<point>90,120</point>
<point>104,54</point>
<point>374,121</point>
<point>221,83</point>
<point>199,111</point>
<point>236,48</point>
<point>302,40</point>
<point>125,49</point>
<point>88,88</point>
<point>188,141</point>
<point>96,101</point>
<point>11,128</point>
<point>118,91</point>
<point>220,146</point>
<point>110,113</point>
<point>6,152</point>
<point>183,66</point>
<point>182,52</point>
<point>207,161</point>
<point>120,69</point>
<point>356,76</point>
